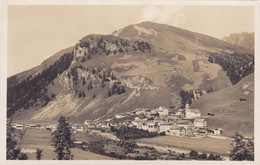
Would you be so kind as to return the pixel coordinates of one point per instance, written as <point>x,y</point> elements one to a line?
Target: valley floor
<point>42,139</point>
<point>35,138</point>
<point>206,144</point>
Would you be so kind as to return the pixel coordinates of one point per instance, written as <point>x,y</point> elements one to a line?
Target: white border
<point>3,74</point>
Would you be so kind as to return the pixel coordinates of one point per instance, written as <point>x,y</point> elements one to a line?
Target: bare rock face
<point>244,39</point>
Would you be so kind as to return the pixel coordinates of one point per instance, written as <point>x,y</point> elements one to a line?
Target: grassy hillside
<point>231,113</point>
<point>152,62</point>
<point>175,39</point>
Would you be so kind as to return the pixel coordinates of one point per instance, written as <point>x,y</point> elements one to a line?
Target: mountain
<point>233,107</point>
<point>169,38</point>
<point>243,39</point>
<point>140,66</point>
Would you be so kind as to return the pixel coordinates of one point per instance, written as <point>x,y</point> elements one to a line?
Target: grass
<point>230,114</point>
<point>196,66</point>
<point>41,139</point>
<point>199,144</point>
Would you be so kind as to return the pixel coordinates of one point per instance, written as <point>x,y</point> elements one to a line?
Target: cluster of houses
<point>184,122</point>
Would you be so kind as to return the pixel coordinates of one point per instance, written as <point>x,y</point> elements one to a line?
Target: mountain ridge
<point>104,75</point>
<point>243,39</point>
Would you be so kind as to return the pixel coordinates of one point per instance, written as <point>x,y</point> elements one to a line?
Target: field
<point>231,114</point>
<point>199,144</point>
<point>34,138</point>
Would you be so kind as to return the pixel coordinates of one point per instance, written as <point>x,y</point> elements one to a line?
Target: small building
<point>78,128</point>
<point>88,122</point>
<point>145,126</point>
<point>158,121</point>
<point>176,131</point>
<point>191,113</point>
<point>163,111</point>
<point>184,123</point>
<point>180,112</point>
<point>210,132</point>
<point>19,126</point>
<point>119,116</point>
<point>165,127</point>
<point>218,131</point>
<point>51,127</point>
<point>33,126</point>
<point>201,123</point>
<point>138,124</point>
<point>202,131</point>
<point>151,126</point>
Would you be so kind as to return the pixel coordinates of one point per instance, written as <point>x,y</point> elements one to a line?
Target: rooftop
<point>199,120</point>
<point>183,121</point>
<point>176,128</point>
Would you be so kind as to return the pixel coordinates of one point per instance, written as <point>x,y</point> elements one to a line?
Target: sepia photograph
<point>130,82</point>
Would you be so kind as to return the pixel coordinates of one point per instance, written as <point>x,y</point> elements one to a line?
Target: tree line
<point>25,93</point>
<point>102,46</point>
<point>236,65</point>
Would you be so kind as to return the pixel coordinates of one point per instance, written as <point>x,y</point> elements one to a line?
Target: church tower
<point>187,111</point>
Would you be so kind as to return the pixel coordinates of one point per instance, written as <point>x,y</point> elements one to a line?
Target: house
<point>202,131</point>
<point>33,126</point>
<point>148,112</point>
<point>103,125</point>
<point>87,122</point>
<point>153,127</point>
<point>158,121</point>
<point>165,127</point>
<point>18,126</point>
<point>201,123</point>
<point>184,123</point>
<point>171,117</point>
<point>180,112</point>
<point>177,131</point>
<point>163,111</point>
<point>145,126</point>
<point>191,113</point>
<point>210,132</point>
<point>138,123</point>
<point>119,116</point>
<point>78,128</point>
<point>51,127</point>
<point>218,131</point>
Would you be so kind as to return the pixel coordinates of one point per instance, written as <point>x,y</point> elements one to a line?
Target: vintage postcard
<point>128,81</point>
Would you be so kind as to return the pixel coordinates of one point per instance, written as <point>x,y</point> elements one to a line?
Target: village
<point>185,122</point>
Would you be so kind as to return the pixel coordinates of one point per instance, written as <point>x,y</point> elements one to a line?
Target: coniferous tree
<point>63,141</point>
<point>109,92</point>
<point>13,151</point>
<point>241,148</point>
<point>39,154</point>
<point>123,89</point>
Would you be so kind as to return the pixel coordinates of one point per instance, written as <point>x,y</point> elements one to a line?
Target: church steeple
<point>187,106</point>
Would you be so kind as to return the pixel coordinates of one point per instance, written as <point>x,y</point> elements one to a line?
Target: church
<point>191,113</point>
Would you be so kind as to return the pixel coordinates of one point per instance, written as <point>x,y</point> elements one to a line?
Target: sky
<point>37,32</point>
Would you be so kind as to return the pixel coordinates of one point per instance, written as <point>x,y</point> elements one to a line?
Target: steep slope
<point>108,74</point>
<point>233,107</point>
<point>243,39</point>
